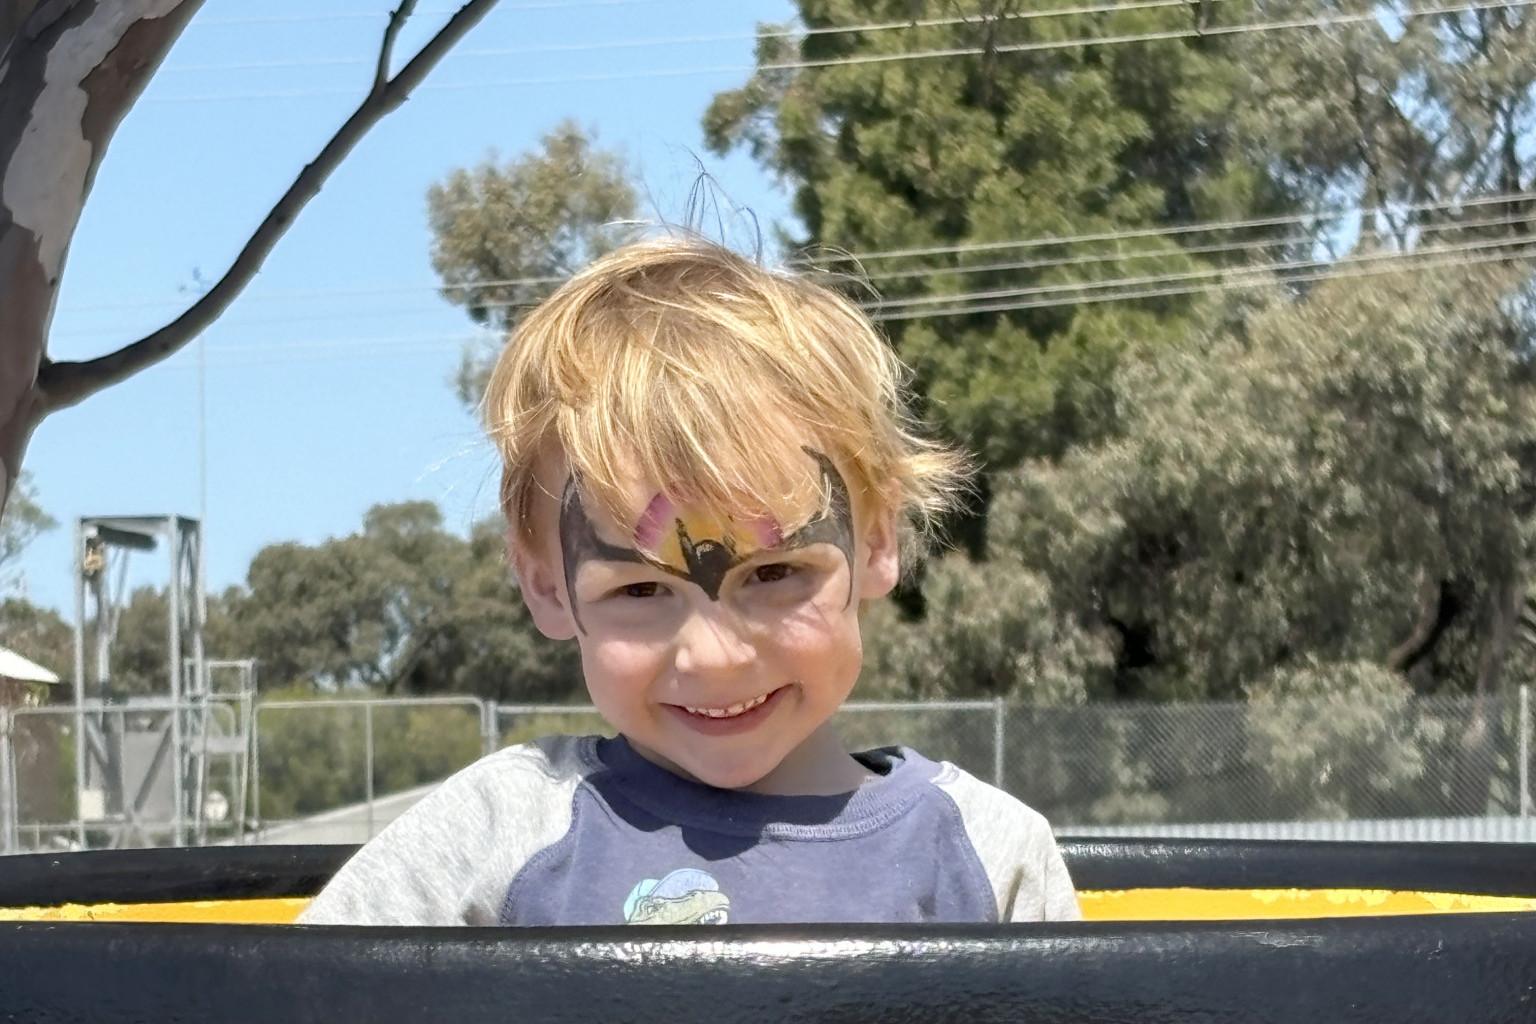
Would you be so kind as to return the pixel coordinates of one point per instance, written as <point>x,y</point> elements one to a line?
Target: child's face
<point>719,649</point>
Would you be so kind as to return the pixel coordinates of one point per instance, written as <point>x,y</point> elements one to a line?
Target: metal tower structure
<point>142,761</point>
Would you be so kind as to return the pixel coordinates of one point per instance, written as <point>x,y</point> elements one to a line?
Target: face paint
<point>699,549</point>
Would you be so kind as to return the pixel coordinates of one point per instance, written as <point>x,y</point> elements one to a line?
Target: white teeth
<point>730,712</point>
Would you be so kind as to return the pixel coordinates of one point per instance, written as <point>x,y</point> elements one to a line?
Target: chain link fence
<point>338,770</point>
<point>345,760</point>
<point>1299,760</point>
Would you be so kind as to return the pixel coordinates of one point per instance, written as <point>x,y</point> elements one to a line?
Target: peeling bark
<point>70,72</point>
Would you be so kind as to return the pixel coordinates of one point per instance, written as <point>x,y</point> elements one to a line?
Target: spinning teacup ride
<point>1175,930</point>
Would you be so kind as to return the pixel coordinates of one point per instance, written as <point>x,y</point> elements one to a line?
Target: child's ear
<point>542,584</point>
<point>881,556</point>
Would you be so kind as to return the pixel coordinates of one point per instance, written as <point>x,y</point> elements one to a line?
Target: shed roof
<point>14,666</point>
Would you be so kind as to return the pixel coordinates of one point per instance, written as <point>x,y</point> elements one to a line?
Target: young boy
<point>707,472</point>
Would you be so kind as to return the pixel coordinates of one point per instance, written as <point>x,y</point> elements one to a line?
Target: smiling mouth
<point>730,712</point>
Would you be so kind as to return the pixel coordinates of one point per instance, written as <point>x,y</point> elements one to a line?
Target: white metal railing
<point>368,707</point>
<point>382,750</point>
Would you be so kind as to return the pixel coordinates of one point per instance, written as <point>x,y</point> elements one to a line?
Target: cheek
<point>829,635</point>
<point>617,662</point>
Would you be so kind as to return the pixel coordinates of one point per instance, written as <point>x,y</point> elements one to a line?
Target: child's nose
<point>712,640</point>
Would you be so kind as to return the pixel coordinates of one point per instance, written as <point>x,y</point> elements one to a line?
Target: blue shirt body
<point>584,831</point>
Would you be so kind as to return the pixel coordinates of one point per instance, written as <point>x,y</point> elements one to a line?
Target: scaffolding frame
<point>105,809</point>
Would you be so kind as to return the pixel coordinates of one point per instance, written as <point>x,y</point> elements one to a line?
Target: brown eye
<point>772,572</point>
<point>641,590</point>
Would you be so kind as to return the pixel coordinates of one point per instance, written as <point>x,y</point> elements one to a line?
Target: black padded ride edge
<point>1489,869</point>
<point>1472,969</point>
<point>168,875</point>
<point>242,872</point>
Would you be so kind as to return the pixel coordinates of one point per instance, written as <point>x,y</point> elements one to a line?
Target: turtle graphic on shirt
<point>685,896</point>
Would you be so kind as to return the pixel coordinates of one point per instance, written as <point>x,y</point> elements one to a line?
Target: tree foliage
<point>140,652</point>
<point>1346,480</point>
<point>314,758</point>
<point>1337,740</point>
<point>1411,114</point>
<point>1187,497</point>
<point>402,607</point>
<point>969,140</point>
<point>21,521</point>
<point>37,634</point>
<point>504,235</point>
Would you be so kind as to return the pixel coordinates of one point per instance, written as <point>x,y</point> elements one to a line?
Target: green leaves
<point>980,123</point>
<point>22,520</point>
<point>40,635</point>
<point>1287,495</point>
<point>1337,495</point>
<point>504,235</point>
<point>403,607</point>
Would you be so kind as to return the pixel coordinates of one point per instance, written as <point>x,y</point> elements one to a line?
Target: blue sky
<point>326,383</point>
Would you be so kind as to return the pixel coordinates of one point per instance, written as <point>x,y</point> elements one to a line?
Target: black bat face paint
<point>702,551</point>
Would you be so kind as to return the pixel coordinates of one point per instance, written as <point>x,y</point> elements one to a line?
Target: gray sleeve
<point>1017,851</point>
<point>449,859</point>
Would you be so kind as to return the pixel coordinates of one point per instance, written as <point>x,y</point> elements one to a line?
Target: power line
<point>548,5</point>
<point>1222,286</point>
<point>321,293</point>
<point>801,33</point>
<point>373,312</point>
<point>1116,256</point>
<point>1278,266</point>
<point>1124,256</point>
<point>1045,296</point>
<point>1140,255</point>
<point>1197,227</point>
<point>1258,280</point>
<point>984,19</point>
<point>1325,21</point>
<point>1134,234</point>
<point>345,343</point>
<point>515,51</point>
<point>1410,265</point>
<point>443,86</point>
<point>1378,265</point>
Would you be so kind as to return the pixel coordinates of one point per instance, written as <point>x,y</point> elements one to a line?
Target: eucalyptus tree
<point>505,234</point>
<point>1346,480</point>
<point>1420,114</point>
<point>992,167</point>
<point>22,520</point>
<point>402,606</point>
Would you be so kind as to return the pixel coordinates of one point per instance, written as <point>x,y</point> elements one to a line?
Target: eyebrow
<point>709,560</point>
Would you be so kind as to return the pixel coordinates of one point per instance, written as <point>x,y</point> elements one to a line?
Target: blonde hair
<point>680,362</point>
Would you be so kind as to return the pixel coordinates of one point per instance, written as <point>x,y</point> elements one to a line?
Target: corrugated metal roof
<point>14,666</point>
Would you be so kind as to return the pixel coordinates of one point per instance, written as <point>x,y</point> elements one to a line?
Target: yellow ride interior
<point>1101,905</point>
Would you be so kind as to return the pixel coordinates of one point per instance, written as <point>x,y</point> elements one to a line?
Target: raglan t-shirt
<point>585,831</point>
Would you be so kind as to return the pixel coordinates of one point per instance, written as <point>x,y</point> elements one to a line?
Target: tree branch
<point>1438,605</point>
<point>67,383</point>
<point>397,20</point>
